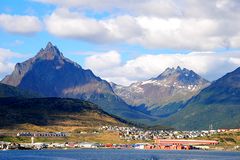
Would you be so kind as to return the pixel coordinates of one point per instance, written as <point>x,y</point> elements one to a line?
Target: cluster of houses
<point>65,145</point>
<point>134,133</point>
<point>160,144</point>
<point>163,139</point>
<point>42,134</point>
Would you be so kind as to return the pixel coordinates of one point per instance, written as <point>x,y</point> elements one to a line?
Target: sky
<point>125,41</point>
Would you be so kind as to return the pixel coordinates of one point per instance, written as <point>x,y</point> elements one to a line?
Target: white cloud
<point>163,8</point>
<point>20,24</point>
<point>64,23</point>
<point>69,24</point>
<point>123,28</point>
<point>104,60</point>
<point>210,65</point>
<point>201,33</point>
<point>6,65</point>
<point>159,8</point>
<point>180,33</point>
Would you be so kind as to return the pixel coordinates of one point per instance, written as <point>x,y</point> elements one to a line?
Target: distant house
<point>72,145</point>
<point>140,145</point>
<point>57,145</point>
<point>88,145</point>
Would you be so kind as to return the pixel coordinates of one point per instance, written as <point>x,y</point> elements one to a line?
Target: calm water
<point>88,154</point>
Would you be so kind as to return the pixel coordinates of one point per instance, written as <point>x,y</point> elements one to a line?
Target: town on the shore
<point>153,139</point>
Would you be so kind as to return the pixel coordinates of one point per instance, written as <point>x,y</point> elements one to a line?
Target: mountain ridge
<point>56,76</point>
<point>178,97</point>
<point>217,105</point>
<point>56,114</point>
<point>174,85</point>
<point>11,91</point>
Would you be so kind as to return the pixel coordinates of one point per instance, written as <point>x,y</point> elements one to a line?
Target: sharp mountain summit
<point>178,97</point>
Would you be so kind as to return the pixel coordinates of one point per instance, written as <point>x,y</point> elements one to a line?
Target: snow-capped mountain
<point>173,85</point>
<point>217,105</point>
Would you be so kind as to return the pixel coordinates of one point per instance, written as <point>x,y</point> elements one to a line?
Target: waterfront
<point>109,154</point>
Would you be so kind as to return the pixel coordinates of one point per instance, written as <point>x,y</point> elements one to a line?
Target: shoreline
<point>68,149</point>
<point>106,148</point>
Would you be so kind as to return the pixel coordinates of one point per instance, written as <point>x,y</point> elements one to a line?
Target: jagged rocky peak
<point>174,71</point>
<point>50,52</point>
<point>181,74</point>
<point>113,84</point>
<point>173,85</point>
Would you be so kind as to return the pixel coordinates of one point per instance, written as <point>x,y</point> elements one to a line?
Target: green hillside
<point>56,114</point>
<point>218,104</point>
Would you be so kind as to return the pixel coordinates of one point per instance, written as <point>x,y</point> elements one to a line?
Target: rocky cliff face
<point>173,85</point>
<point>50,74</point>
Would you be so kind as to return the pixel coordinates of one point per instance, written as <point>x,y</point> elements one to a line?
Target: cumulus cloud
<point>68,24</point>
<point>104,60</point>
<point>85,4</point>
<point>210,65</point>
<point>194,31</point>
<point>18,24</point>
<point>6,66</point>
<point>217,9</point>
<point>160,8</point>
<point>180,33</point>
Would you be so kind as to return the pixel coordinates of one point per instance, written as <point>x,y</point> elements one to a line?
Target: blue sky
<point>125,41</point>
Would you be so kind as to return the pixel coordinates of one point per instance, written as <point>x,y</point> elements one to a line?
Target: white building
<point>88,145</point>
<point>140,145</point>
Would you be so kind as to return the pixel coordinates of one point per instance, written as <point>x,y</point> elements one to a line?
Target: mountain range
<point>157,95</point>
<point>178,97</point>
<point>50,74</point>
<point>23,110</point>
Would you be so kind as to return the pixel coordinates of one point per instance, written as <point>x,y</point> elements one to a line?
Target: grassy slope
<point>114,105</point>
<point>218,104</point>
<point>201,116</point>
<point>54,114</point>
<point>227,140</point>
